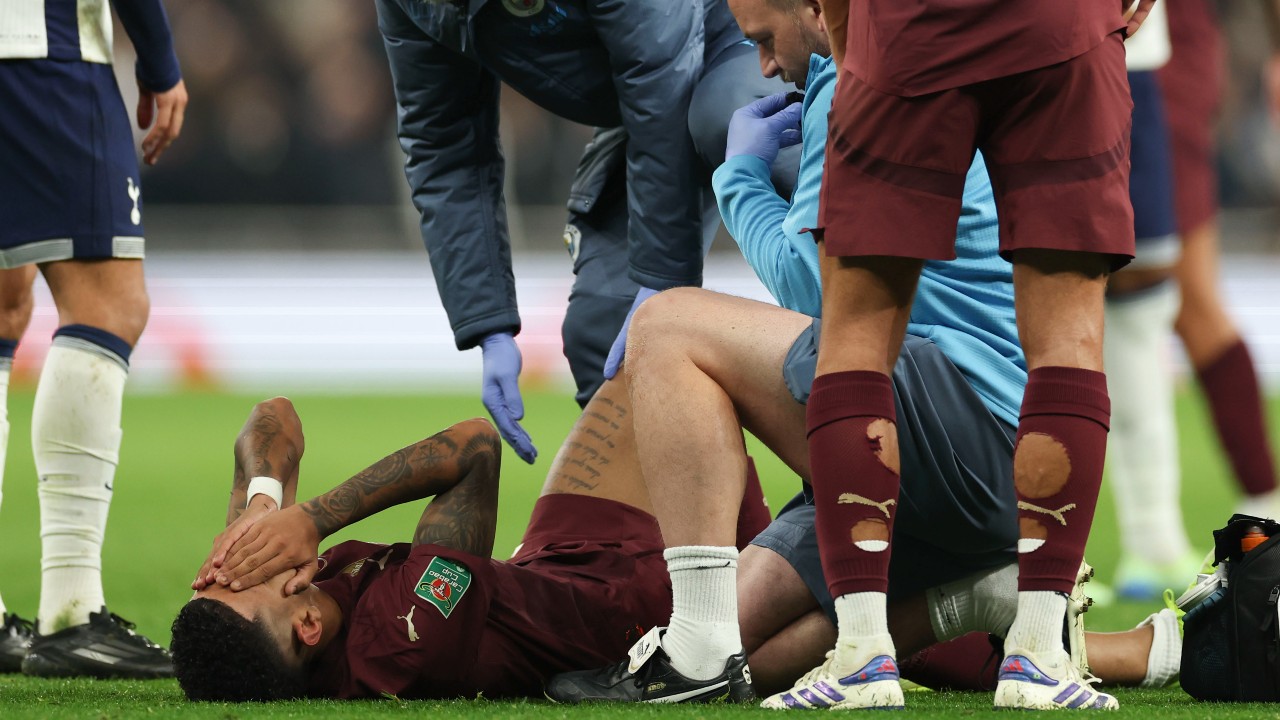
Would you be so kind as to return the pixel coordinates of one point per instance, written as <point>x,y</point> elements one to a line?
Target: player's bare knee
<point>666,319</point>
<point>16,307</point>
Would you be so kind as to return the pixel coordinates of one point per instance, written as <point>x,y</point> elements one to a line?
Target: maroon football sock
<point>853,458</point>
<point>1231,386</point>
<point>967,663</point>
<point>753,516</point>
<point>1057,469</point>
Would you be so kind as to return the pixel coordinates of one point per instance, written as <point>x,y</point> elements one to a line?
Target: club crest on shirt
<point>443,584</point>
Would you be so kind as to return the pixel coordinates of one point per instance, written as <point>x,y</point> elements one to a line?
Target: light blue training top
<point>964,305</point>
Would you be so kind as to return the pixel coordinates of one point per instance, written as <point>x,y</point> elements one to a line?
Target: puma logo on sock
<point>852,499</point>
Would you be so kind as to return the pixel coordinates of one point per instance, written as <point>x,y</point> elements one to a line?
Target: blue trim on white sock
<point>111,346</point>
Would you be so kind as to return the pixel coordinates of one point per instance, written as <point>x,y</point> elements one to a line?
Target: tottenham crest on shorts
<point>443,584</point>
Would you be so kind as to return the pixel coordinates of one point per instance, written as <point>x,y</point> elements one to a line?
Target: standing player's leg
<point>1192,87</point>
<point>15,314</point>
<point>853,455</point>
<point>1142,300</point>
<point>75,433</point>
<point>1066,222</point>
<point>891,197</point>
<point>1226,372</point>
<point>95,274</point>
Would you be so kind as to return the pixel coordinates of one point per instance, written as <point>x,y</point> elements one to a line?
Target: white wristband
<point>270,487</point>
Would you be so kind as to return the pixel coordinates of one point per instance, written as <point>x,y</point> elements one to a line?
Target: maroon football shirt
<point>916,47</point>
<point>431,622</point>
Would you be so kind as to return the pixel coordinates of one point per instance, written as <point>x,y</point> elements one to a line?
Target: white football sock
<point>862,631</point>
<point>1165,659</point>
<point>75,436</point>
<point>983,602</point>
<point>704,618</point>
<point>6,366</point>
<point>1142,449</point>
<point>1038,627</point>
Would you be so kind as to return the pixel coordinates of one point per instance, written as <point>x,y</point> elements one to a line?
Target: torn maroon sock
<point>853,458</point>
<point>1057,470</point>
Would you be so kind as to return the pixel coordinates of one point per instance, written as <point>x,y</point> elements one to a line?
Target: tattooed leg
<point>599,456</point>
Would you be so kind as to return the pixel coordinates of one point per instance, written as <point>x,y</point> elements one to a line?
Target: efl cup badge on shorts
<point>524,8</point>
<point>443,584</point>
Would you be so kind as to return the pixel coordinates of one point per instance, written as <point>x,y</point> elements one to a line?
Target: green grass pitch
<point>171,494</point>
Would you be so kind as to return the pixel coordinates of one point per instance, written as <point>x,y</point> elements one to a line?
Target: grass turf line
<point>171,494</point>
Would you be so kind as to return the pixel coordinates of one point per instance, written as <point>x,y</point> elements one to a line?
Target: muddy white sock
<point>75,436</point>
<point>1039,623</point>
<point>704,618</point>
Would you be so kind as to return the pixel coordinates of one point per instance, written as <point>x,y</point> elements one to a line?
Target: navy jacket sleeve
<point>655,49</point>
<point>448,127</point>
<point>148,28</point>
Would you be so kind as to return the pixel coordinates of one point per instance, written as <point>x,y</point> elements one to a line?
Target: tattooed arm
<point>271,445</point>
<point>458,466</point>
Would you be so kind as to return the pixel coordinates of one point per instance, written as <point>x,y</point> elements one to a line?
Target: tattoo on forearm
<point>430,467</point>
<point>465,517</point>
<point>265,429</point>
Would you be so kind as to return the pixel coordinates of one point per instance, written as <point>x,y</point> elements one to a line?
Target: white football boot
<point>852,678</point>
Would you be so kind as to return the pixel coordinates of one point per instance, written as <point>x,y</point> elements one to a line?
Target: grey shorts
<point>957,510</point>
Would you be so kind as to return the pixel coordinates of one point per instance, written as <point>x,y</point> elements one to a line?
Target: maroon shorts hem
<point>562,519</point>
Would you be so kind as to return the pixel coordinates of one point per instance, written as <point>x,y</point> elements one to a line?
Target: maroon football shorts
<point>1192,87</point>
<point>1056,145</point>
<point>612,552</point>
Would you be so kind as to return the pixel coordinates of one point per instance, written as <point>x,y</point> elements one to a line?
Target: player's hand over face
<point>500,392</point>
<point>613,362</point>
<point>764,127</point>
<point>283,540</point>
<point>261,506</point>
<point>166,109</point>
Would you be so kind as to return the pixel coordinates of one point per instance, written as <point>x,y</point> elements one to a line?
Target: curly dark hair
<point>219,655</point>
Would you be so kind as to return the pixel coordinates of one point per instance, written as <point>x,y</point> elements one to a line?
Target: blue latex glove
<point>614,361</point>
<point>764,127</point>
<point>500,392</point>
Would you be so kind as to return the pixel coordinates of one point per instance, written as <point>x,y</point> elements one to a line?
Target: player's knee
<point>16,306</point>
<point>666,316</point>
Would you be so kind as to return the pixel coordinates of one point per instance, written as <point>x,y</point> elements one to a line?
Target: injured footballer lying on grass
<point>438,618</point>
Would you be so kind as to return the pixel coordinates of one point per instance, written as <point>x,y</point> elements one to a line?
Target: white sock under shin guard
<point>1142,450</point>
<point>703,632</point>
<point>75,436</point>
<point>983,602</point>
